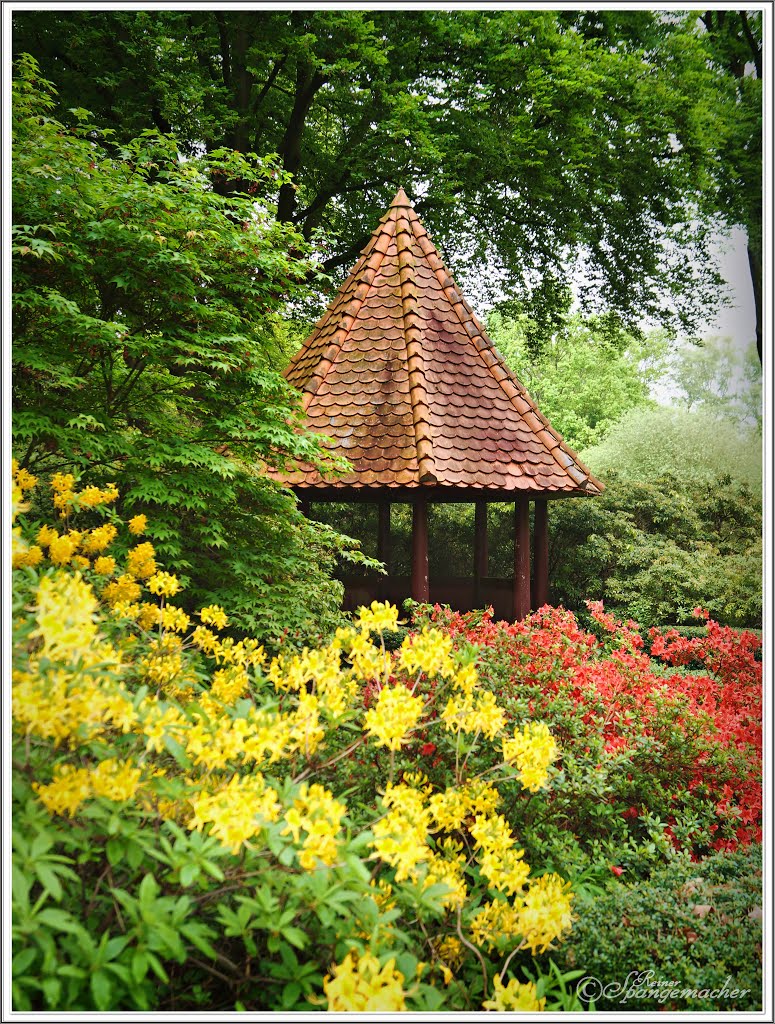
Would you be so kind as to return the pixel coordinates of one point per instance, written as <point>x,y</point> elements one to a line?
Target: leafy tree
<point>692,445</point>
<point>587,374</point>
<point>654,550</point>
<point>720,377</point>
<point>144,346</point>
<point>734,41</point>
<point>531,139</point>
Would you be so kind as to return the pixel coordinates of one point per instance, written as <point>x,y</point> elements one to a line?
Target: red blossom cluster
<point>703,725</point>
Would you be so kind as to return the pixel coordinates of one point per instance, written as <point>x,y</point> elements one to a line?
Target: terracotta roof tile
<point>401,375</point>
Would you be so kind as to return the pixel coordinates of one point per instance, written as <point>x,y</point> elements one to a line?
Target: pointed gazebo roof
<point>401,375</point>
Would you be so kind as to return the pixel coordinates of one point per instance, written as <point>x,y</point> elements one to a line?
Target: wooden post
<point>541,553</point>
<point>383,533</point>
<point>420,589</point>
<point>304,506</point>
<point>480,549</point>
<point>521,558</point>
<point>383,545</point>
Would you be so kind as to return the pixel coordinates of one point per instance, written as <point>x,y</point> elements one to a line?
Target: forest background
<point>191,186</point>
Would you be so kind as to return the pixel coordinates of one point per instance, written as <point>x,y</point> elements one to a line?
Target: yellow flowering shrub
<point>242,810</point>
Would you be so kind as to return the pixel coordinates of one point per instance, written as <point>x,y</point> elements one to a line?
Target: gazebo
<point>401,375</point>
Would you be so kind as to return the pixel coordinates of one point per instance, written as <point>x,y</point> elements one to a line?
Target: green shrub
<point>696,926</point>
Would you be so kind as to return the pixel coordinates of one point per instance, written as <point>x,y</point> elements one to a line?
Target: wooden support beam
<point>383,533</point>
<point>480,549</point>
<point>540,553</point>
<point>304,507</point>
<point>521,558</point>
<point>383,545</point>
<point>420,589</point>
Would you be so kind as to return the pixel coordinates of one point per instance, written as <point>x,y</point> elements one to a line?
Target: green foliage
<point>694,926</point>
<point>691,445</point>
<point>585,375</point>
<point>532,139</point>
<point>146,350</point>
<point>721,378</point>
<point>654,551</point>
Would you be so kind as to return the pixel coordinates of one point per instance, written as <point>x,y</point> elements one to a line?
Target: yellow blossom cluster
<point>474,713</point>
<point>546,913</point>
<point>499,861</point>
<point>394,715</point>
<point>539,917</point>
<point>531,750</point>
<point>238,811</point>
<point>70,787</point>
<point>141,561</point>
<point>430,652</point>
<point>320,669</point>
<point>377,617</point>
<point>317,813</point>
<point>214,615</point>
<point>455,804</point>
<point>447,867</point>
<point>65,611</point>
<point>65,497</point>
<point>400,837</point>
<point>360,984</point>
<point>516,995</point>
<point>138,524</point>
<point>229,684</point>
<point>163,584</point>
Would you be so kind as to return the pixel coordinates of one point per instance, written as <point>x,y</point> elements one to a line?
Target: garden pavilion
<point>401,375</point>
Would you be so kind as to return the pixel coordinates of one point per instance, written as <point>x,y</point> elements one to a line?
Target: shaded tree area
<point>144,313</point>
<point>532,140</point>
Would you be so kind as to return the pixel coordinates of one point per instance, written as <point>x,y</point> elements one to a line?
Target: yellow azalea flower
<point>99,538</point>
<point>62,482</point>
<point>359,984</point>
<point>214,615</point>
<point>114,779</point>
<point>545,913</point>
<point>394,715</point>
<point>138,524</point>
<point>429,652</point>
<point>237,811</point>
<point>124,589</point>
<point>140,561</point>
<point>400,837</point>
<point>316,812</point>
<point>454,805</point>
<point>377,617</point>
<point>61,550</point>
<point>229,684</point>
<point>164,584</point>
<point>475,713</point>
<point>105,565</point>
<point>531,750</point>
<point>69,788</point>
<point>23,479</point>
<point>45,535</point>
<point>30,556</point>
<point>65,610</point>
<point>514,996</point>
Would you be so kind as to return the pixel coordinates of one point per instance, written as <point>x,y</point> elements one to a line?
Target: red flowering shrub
<point>655,758</point>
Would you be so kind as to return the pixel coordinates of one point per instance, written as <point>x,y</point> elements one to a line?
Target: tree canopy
<point>144,347</point>
<point>532,141</point>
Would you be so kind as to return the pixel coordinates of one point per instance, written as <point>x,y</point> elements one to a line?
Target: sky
<point>738,320</point>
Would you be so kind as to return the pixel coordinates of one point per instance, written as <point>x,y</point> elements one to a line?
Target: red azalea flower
<point>617,870</point>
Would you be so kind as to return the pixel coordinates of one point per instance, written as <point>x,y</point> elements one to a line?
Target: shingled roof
<point>401,375</point>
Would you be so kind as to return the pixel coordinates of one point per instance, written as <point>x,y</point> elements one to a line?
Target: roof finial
<point>402,199</point>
